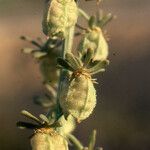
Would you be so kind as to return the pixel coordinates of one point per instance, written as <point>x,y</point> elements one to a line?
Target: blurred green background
<point>122,115</point>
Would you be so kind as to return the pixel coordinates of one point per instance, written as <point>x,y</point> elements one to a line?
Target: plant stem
<point>67,47</point>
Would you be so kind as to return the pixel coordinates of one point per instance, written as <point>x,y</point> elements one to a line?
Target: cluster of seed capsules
<point>77,95</point>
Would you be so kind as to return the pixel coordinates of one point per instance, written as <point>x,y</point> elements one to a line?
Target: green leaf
<point>76,142</point>
<point>28,50</point>
<point>29,115</point>
<point>92,140</point>
<point>26,125</point>
<point>92,21</point>
<point>98,71</point>
<point>38,54</point>
<point>51,90</point>
<point>89,55</point>
<point>105,20</point>
<point>99,67</point>
<point>72,61</point>
<point>79,60</point>
<point>26,38</point>
<point>43,101</point>
<point>44,118</point>
<point>65,64</point>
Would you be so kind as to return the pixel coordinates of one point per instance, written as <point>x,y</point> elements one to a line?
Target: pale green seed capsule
<point>78,97</point>
<point>59,16</point>
<point>94,39</point>
<point>48,139</point>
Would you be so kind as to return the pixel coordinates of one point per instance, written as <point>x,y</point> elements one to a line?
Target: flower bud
<point>94,39</point>
<point>59,16</point>
<point>78,96</point>
<point>48,139</point>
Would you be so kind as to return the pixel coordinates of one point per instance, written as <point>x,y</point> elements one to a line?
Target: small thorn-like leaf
<point>105,20</point>
<point>92,140</point>
<point>98,71</point>
<point>64,64</point>
<point>92,21</point>
<point>26,125</point>
<point>44,118</point>
<point>99,67</point>
<point>29,115</point>
<point>89,55</point>
<point>76,142</point>
<point>38,54</point>
<point>72,61</point>
<point>43,101</point>
<point>31,41</point>
<point>79,60</point>
<point>28,50</point>
<point>51,90</point>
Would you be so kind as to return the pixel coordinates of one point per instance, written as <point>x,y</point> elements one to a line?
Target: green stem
<point>76,142</point>
<point>84,14</point>
<point>67,47</point>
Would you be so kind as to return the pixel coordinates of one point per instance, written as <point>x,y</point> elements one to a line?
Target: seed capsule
<point>94,39</point>
<point>59,16</point>
<point>78,96</point>
<point>48,139</point>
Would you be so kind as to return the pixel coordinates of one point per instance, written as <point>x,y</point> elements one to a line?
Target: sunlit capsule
<point>94,39</point>
<point>59,16</point>
<point>78,96</point>
<point>48,139</point>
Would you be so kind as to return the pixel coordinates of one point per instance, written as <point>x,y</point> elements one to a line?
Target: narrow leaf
<point>88,57</point>
<point>72,61</point>
<point>65,64</point>
<point>31,41</point>
<point>29,115</point>
<point>100,66</point>
<point>44,118</point>
<point>92,21</point>
<point>76,142</point>
<point>98,71</point>
<point>105,20</point>
<point>92,140</point>
<point>26,125</point>
<point>51,90</point>
<point>28,50</point>
<point>38,54</point>
<point>43,101</point>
